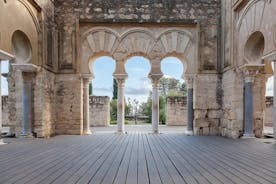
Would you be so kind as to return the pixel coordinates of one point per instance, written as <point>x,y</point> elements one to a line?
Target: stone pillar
<point>250,72</point>
<point>248,104</point>
<point>274,101</point>
<point>155,101</point>
<point>190,109</point>
<point>86,119</point>
<point>27,106</point>
<point>121,105</point>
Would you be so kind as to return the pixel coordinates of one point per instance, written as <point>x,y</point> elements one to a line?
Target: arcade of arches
<point>226,48</point>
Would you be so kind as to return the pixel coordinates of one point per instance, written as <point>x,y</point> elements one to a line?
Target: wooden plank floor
<point>137,158</point>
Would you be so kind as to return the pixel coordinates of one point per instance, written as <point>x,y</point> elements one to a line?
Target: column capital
<point>120,79</point>
<point>189,79</point>
<point>155,79</point>
<point>251,71</point>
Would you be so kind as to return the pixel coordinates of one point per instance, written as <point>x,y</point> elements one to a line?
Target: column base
<point>120,132</point>
<point>1,142</point>
<point>248,136</point>
<point>155,132</point>
<point>189,132</point>
<point>27,136</point>
<point>88,132</point>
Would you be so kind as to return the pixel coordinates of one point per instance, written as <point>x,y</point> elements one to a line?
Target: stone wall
<point>207,107</point>
<point>71,14</point>
<point>69,104</point>
<point>176,111</point>
<point>99,110</point>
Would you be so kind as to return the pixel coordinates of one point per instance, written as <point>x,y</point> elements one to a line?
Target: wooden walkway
<point>138,158</point>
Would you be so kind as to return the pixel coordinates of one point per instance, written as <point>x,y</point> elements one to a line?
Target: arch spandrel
<point>257,16</point>
<point>152,43</point>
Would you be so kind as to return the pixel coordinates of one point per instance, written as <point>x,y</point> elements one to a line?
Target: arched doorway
<point>138,91</point>
<point>102,94</point>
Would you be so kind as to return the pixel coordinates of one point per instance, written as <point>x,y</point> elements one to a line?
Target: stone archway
<point>152,42</point>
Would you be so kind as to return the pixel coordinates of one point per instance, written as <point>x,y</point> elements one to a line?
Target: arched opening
<point>102,95</point>
<point>5,95</point>
<point>22,79</point>
<point>138,92</point>
<point>269,100</point>
<point>173,92</point>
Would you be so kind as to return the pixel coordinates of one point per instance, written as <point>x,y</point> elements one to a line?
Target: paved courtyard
<point>138,157</point>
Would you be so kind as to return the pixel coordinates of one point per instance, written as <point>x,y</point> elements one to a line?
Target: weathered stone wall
<point>233,110</point>
<point>207,107</point>
<point>69,104</point>
<point>44,104</point>
<point>204,13</point>
<point>99,110</point>
<point>176,111</point>
<point>240,19</point>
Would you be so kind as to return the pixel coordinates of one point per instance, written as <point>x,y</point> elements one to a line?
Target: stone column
<point>248,104</point>
<point>190,109</point>
<point>155,102</point>
<point>27,106</point>
<point>121,105</point>
<point>274,101</point>
<point>86,119</point>
<point>250,72</point>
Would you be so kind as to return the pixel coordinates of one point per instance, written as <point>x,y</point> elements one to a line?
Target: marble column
<point>274,101</point>
<point>248,104</point>
<point>121,105</point>
<point>86,119</point>
<point>27,106</point>
<point>155,102</point>
<point>190,109</point>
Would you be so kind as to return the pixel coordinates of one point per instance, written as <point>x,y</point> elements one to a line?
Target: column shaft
<point>155,109</point>
<point>274,102</point>
<point>86,120</point>
<point>190,111</point>
<point>121,108</point>
<point>248,111</point>
<point>27,108</point>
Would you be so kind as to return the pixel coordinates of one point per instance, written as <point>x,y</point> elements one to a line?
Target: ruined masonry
<point>227,48</point>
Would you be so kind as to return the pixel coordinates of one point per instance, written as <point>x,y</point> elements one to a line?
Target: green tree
<point>90,89</point>
<point>115,89</point>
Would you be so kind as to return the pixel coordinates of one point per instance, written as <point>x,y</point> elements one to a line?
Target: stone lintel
<point>27,68</point>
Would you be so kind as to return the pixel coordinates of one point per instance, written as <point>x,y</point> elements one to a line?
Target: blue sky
<point>137,85</point>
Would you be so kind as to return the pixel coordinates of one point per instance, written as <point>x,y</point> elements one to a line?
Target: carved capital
<point>155,79</point>
<point>251,71</point>
<point>120,79</point>
<point>86,80</point>
<point>189,79</point>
